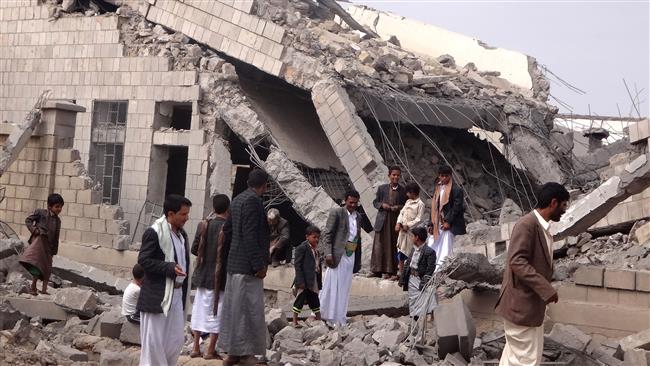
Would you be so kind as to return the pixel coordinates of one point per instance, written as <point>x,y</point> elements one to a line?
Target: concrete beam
<point>86,275</point>
<point>32,307</point>
<point>588,210</point>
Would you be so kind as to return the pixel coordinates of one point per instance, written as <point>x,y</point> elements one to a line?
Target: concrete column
<point>59,120</point>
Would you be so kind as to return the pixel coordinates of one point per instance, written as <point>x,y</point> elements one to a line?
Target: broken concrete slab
<point>10,247</point>
<point>85,275</point>
<point>569,336</point>
<point>455,328</point>
<point>76,300</point>
<point>276,320</point>
<point>592,207</point>
<point>45,308</point>
<point>110,324</point>
<point>386,338</point>
<point>110,358</point>
<point>638,340</point>
<point>9,316</point>
<point>642,234</point>
<point>455,359</point>
<point>636,357</point>
<point>130,333</point>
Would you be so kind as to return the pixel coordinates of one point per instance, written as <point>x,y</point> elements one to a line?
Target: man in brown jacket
<point>526,287</point>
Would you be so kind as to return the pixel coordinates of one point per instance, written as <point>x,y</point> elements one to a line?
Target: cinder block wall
<point>82,59</point>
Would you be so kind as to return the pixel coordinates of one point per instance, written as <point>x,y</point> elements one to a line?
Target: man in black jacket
<point>243,331</point>
<point>447,213</point>
<point>165,258</point>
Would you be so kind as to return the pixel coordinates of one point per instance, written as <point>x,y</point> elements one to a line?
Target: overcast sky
<point>593,45</point>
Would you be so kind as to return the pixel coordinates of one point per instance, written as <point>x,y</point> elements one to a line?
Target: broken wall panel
<point>351,141</point>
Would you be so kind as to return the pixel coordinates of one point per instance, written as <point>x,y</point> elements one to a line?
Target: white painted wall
<point>429,40</point>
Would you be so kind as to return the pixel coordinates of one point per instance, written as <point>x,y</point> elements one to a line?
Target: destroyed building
<point>151,97</point>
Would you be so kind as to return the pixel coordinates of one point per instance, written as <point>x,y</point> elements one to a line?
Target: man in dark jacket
<point>389,200</point>
<point>447,213</point>
<point>205,247</point>
<point>243,331</point>
<point>165,258</point>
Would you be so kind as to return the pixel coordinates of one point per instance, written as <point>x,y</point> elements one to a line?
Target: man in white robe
<point>164,257</point>
<point>340,245</point>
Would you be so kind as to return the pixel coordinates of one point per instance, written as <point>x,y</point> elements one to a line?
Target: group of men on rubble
<point>236,243</point>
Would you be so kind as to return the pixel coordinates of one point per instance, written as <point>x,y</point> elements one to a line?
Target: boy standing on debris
<point>308,274</point>
<point>44,226</point>
<point>526,287</point>
<point>132,294</point>
<point>209,294</point>
<point>409,217</point>
<point>418,270</point>
<point>164,256</point>
<point>388,201</point>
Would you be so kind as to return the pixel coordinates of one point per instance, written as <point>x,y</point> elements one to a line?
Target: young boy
<point>409,217</point>
<point>131,295</point>
<point>44,226</point>
<point>308,274</point>
<point>418,270</point>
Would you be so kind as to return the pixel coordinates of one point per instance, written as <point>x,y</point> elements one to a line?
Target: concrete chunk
<point>9,316</point>
<point>76,300</point>
<point>85,275</point>
<point>569,336</point>
<point>45,308</point>
<point>130,333</point>
<point>637,340</point>
<point>455,328</point>
<point>110,324</point>
<point>10,247</point>
<point>589,276</point>
<point>636,357</point>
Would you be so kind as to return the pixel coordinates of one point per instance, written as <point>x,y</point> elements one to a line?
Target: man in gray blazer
<point>340,245</point>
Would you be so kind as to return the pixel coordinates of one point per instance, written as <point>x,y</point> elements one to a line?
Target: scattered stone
<point>310,334</point>
<point>638,340</point>
<point>10,247</point>
<point>330,358</point>
<point>109,358</point>
<point>9,316</point>
<point>85,275</point>
<point>510,212</point>
<point>289,332</point>
<point>387,338</point>
<point>276,320</point>
<point>110,324</point>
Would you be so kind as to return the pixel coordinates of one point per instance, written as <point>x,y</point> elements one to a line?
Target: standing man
<point>340,244</point>
<point>164,257</point>
<point>208,295</point>
<point>243,332</point>
<point>279,228</point>
<point>447,214</point>
<point>389,201</point>
<point>526,287</point>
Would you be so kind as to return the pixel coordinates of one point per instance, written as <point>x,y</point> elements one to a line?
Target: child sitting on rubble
<point>308,280</point>
<point>44,226</point>
<point>131,295</point>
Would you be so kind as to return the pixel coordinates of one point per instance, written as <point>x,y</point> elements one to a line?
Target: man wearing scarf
<point>164,257</point>
<point>447,214</point>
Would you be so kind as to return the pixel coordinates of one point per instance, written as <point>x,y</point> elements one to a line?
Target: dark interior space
<point>182,116</point>
<point>176,170</point>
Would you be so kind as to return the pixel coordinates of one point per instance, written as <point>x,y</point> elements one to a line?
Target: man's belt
<point>350,248</point>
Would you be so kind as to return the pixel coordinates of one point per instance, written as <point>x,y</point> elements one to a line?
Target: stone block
<point>620,279</point>
<point>130,333</point>
<point>642,233</point>
<point>110,324</point>
<point>589,276</point>
<point>638,340</point>
<point>276,320</point>
<point>83,224</point>
<point>569,336</point>
<point>121,242</point>
<point>98,225</point>
<point>455,328</point>
<point>643,281</point>
<point>76,300</point>
<point>45,308</point>
<point>636,357</point>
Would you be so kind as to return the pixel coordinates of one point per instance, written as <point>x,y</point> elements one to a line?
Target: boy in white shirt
<point>131,295</point>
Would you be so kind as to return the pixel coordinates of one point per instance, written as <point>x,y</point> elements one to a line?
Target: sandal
<point>194,354</point>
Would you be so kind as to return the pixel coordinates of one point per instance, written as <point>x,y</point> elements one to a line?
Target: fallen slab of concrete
<point>45,308</point>
<point>588,210</point>
<point>85,275</point>
<point>455,329</point>
<point>10,247</point>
